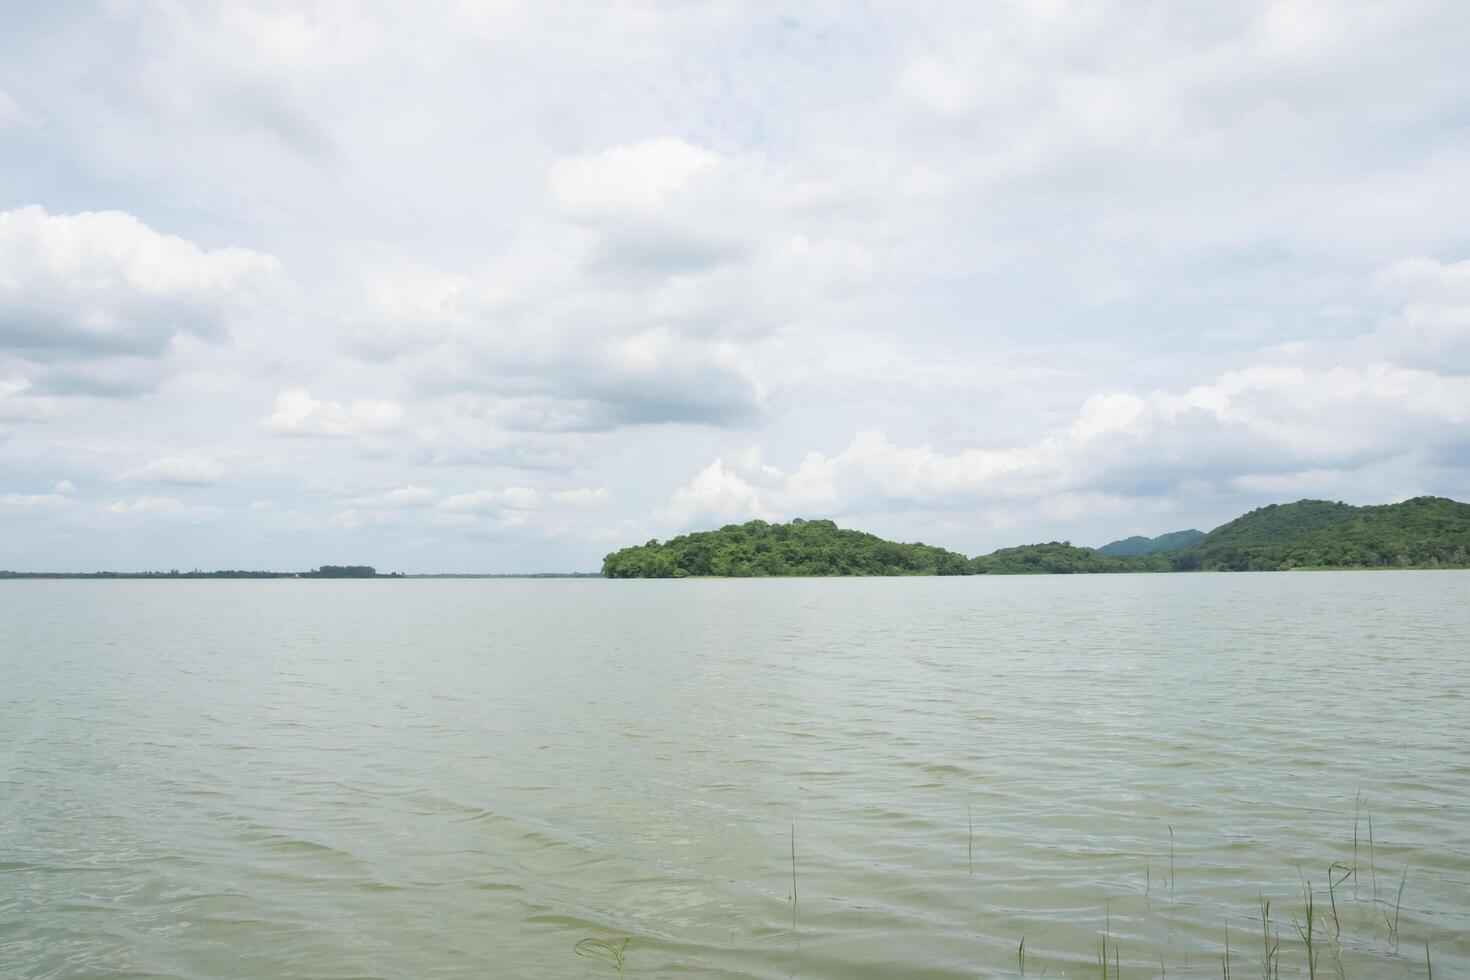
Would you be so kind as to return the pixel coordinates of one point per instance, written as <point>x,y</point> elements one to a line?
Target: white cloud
<point>946,90</point>
<point>182,470</point>
<point>157,512</point>
<point>147,505</point>
<point>1421,279</point>
<point>409,496</point>
<point>490,501</point>
<point>16,404</point>
<point>639,181</point>
<point>88,300</point>
<point>29,502</point>
<point>64,487</point>
<point>1251,428</point>
<point>525,498</point>
<point>581,497</point>
<point>298,413</point>
<point>659,290</point>
<point>1433,330</point>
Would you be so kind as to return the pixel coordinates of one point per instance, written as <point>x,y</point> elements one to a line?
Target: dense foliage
<point>1425,532</point>
<point>342,571</point>
<point>1139,545</point>
<point>757,548</point>
<point>1059,558</point>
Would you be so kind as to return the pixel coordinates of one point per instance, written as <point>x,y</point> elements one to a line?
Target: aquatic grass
<point>604,951</point>
<point>970,846</point>
<point>1171,858</point>
<point>1358,803</point>
<point>1393,926</point>
<point>1307,930</point>
<point>1315,927</point>
<point>793,876</point>
<point>1102,953</point>
<point>1270,952</point>
<point>1332,894</point>
<point>1372,859</point>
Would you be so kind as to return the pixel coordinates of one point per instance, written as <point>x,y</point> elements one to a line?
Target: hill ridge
<point>1140,545</point>
<point>1421,532</point>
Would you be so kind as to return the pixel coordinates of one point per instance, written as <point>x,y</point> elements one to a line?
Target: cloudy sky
<point>503,286</point>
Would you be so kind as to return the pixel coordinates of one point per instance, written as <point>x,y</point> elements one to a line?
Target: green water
<point>463,778</point>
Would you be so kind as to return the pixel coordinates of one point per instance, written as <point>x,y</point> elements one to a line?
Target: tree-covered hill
<point>757,548</point>
<point>1425,532</point>
<point>1059,558</point>
<point>1139,545</point>
<point>1278,523</point>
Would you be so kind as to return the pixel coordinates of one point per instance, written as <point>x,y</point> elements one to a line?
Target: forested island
<point>756,549</point>
<point>1424,532</point>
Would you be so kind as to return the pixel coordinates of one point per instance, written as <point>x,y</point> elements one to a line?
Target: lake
<point>464,778</point>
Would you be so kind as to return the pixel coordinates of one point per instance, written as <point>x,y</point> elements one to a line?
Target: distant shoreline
<point>6,576</point>
<point>274,576</point>
<point>1421,533</point>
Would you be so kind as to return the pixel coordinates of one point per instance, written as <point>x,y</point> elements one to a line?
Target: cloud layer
<point>511,286</point>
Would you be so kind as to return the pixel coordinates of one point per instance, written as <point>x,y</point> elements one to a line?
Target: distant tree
<point>342,571</point>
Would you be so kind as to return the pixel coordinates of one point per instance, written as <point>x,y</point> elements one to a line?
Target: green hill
<point>1425,532</point>
<point>1139,545</point>
<point>1058,558</point>
<point>757,548</point>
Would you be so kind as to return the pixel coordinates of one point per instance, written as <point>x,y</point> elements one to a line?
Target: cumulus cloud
<point>580,497</point>
<point>91,300</point>
<point>17,404</point>
<point>297,413</point>
<point>1313,416</point>
<point>147,505</point>
<point>658,291</point>
<point>1433,330</point>
<point>22,503</point>
<point>1253,428</point>
<point>156,513</point>
<point>500,509</point>
<point>510,498</point>
<point>524,498</point>
<point>1422,279</point>
<point>409,496</point>
<point>182,470</point>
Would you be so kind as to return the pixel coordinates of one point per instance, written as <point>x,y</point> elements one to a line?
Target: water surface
<point>462,778</point>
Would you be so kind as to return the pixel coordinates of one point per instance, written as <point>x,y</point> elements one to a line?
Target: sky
<point>502,287</point>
